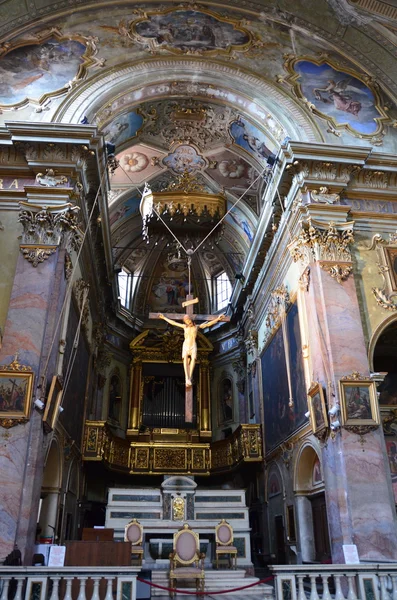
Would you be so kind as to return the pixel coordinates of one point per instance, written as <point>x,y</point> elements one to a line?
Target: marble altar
<point>162,511</point>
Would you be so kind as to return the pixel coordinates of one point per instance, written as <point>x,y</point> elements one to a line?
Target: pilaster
<point>353,467</point>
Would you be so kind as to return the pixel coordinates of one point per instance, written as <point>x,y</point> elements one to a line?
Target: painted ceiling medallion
<point>184,159</point>
<point>182,30</point>
<point>347,100</point>
<point>47,64</point>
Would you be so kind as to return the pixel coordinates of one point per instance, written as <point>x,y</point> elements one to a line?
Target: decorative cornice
<point>329,247</point>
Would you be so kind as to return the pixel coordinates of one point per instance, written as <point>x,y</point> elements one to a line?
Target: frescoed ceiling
<point>207,92</point>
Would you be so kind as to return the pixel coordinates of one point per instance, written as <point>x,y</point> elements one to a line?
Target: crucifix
<point>189,348</point>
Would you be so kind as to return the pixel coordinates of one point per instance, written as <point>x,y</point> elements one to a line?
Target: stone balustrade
<point>60,583</point>
<point>342,582</point>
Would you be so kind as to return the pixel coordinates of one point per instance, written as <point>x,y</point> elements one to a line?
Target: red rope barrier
<point>207,592</point>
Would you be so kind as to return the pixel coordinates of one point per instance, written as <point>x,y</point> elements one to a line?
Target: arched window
<point>223,290</point>
<point>125,288</point>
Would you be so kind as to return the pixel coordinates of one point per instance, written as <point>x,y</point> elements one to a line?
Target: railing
<point>65,583</point>
<point>342,582</point>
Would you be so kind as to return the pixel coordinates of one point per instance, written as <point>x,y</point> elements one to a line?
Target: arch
<point>383,325</point>
<point>305,463</point>
<point>108,88</point>
<point>274,472</point>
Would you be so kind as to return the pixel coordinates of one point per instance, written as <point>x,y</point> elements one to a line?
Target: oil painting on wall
<point>251,139</point>
<point>15,394</point>
<point>34,70</point>
<point>281,420</point>
<point>189,31</point>
<point>339,96</point>
<point>391,449</point>
<point>74,396</point>
<point>225,401</point>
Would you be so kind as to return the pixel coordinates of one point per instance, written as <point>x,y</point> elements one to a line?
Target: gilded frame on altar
<point>317,408</point>
<point>358,402</point>
<point>16,385</point>
<point>336,104</point>
<point>53,403</point>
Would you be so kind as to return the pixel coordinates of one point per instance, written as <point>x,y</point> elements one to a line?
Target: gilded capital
<point>329,246</point>
<point>45,228</point>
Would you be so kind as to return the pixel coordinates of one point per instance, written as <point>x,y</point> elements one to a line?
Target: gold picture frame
<point>317,409</point>
<point>333,103</point>
<point>16,385</point>
<point>358,403</point>
<point>53,403</point>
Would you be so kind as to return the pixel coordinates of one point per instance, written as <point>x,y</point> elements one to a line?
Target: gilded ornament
<point>387,255</point>
<point>329,247</point>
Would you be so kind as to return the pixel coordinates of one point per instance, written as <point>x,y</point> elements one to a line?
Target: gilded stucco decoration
<point>43,65</point>
<point>346,99</point>
<point>278,306</point>
<point>189,30</point>
<point>329,246</point>
<point>47,227</point>
<point>387,264</point>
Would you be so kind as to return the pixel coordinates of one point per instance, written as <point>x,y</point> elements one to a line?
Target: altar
<point>162,511</point>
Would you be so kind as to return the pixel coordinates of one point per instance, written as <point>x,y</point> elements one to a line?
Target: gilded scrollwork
<point>329,246</point>
<point>387,264</point>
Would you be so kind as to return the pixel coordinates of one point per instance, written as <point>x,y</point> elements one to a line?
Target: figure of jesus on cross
<point>189,348</point>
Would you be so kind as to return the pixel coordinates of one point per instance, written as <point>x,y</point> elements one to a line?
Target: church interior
<point>198,275</point>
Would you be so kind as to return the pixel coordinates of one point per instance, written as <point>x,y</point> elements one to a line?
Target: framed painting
<point>346,99</point>
<point>53,403</point>
<point>317,409</point>
<point>16,384</point>
<point>225,401</point>
<point>359,404</point>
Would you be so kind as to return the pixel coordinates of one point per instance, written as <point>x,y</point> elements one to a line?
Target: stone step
<point>219,580</point>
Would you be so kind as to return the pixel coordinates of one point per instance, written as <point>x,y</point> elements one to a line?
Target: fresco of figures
<point>34,70</point>
<point>123,127</point>
<point>251,139</point>
<point>184,159</point>
<point>338,95</point>
<point>187,30</point>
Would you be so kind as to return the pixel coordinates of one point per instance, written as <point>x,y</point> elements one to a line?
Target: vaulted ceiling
<point>210,92</point>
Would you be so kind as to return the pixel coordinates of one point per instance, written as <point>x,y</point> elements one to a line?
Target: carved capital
<point>329,246</point>
<point>46,228</point>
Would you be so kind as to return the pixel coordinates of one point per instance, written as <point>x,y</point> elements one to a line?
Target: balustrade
<point>339,582</point>
<point>65,583</point>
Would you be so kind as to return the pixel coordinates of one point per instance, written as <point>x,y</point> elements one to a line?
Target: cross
<point>188,305</point>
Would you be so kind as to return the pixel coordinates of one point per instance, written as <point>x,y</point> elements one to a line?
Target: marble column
<point>37,294</point>
<point>358,498</point>
<point>305,528</point>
